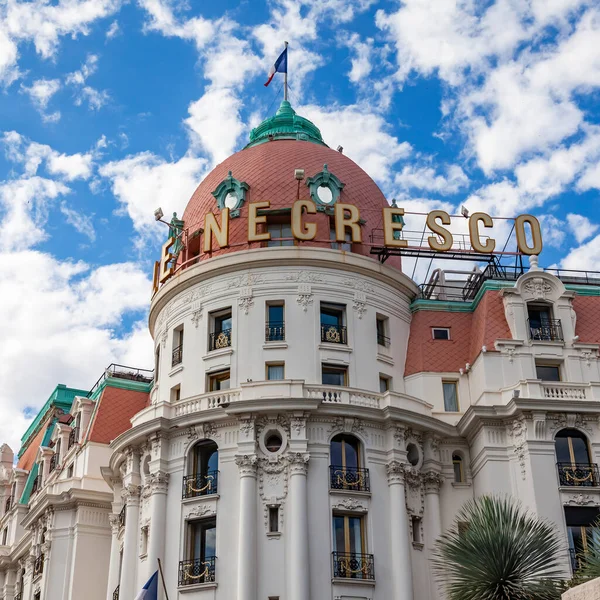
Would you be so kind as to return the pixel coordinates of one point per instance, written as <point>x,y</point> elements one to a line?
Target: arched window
<point>573,459</point>
<point>203,470</point>
<point>346,470</point>
<point>458,466</point>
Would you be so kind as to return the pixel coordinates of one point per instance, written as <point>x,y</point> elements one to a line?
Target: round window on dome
<point>273,442</point>
<point>231,200</point>
<point>325,194</point>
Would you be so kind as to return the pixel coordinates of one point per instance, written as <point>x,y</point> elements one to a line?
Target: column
<point>298,569</point>
<point>433,520</point>
<point>158,483</point>
<point>113,567</point>
<point>10,582</point>
<point>247,528</point>
<point>400,542</point>
<point>130,545</point>
<point>27,580</point>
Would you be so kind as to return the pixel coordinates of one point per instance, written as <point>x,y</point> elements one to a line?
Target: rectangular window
<point>273,519</point>
<point>156,362</point>
<point>220,330</point>
<point>331,375</point>
<point>70,470</point>
<point>440,333</point>
<point>580,522</point>
<point>218,381</point>
<point>333,327</point>
<point>281,234</point>
<point>199,566</point>
<point>177,354</point>
<point>4,536</point>
<point>175,393</point>
<point>450,396</point>
<point>384,383</point>
<point>275,371</point>
<point>335,245</point>
<point>382,331</point>
<point>548,372</point>
<point>275,326</point>
<point>541,324</point>
<point>416,529</point>
<point>350,559</point>
<point>144,542</point>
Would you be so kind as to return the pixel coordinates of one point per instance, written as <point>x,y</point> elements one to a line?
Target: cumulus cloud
<point>581,227</point>
<point>40,92</point>
<point>585,256</point>
<point>426,178</point>
<point>143,182</point>
<point>80,222</point>
<point>95,99</point>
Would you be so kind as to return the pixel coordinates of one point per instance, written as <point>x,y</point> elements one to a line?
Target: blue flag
<point>280,66</point>
<point>150,590</point>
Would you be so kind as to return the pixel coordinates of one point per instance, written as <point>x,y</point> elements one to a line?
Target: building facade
<point>315,420</point>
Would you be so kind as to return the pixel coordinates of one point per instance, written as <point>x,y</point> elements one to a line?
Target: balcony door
<point>203,470</point>
<point>350,559</point>
<point>580,531</point>
<point>573,458</point>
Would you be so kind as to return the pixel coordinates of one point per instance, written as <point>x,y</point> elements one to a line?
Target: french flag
<point>280,66</point>
<point>150,590</point>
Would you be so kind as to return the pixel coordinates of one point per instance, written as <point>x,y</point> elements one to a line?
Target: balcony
<point>53,462</point>
<point>275,332</point>
<point>219,339</point>
<point>200,484</point>
<point>350,565</point>
<point>547,331</point>
<point>116,593</point>
<point>38,565</point>
<point>346,478</point>
<point>177,356</point>
<point>73,437</point>
<point>382,340</point>
<point>334,335</point>
<point>197,571</point>
<point>122,516</point>
<point>578,475</point>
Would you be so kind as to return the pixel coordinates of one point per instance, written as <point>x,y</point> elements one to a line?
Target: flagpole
<point>162,578</point>
<point>285,85</point>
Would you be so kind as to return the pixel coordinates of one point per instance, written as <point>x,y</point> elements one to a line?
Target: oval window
<point>325,194</point>
<point>273,442</point>
<point>231,200</point>
<point>412,454</point>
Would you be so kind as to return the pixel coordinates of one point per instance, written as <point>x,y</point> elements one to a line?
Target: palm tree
<point>589,561</point>
<point>499,551</point>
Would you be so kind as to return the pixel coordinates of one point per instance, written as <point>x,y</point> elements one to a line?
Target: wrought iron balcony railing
<point>74,437</point>
<point>333,334</point>
<point>578,475</point>
<point>347,478</point>
<point>382,340</point>
<point>53,461</point>
<point>350,565</point>
<point>122,516</point>
<point>275,331</point>
<point>549,331</point>
<point>36,485</point>
<point>220,339</point>
<point>200,484</point>
<point>18,596</point>
<point>177,356</point>
<point>38,565</point>
<point>116,593</point>
<point>197,571</point>
<point>576,559</point>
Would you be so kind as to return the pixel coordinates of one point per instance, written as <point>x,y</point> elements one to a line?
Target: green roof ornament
<point>285,125</point>
<point>397,219</point>
<point>325,189</point>
<point>231,194</point>
<point>176,231</point>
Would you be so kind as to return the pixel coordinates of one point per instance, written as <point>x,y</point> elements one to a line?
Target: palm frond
<point>505,553</point>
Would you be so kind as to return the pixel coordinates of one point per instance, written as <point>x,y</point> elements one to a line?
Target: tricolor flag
<point>150,590</point>
<point>280,66</point>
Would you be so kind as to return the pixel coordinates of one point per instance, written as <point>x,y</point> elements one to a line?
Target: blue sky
<point>109,109</point>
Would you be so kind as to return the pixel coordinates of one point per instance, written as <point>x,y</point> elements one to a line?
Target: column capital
<point>247,464</point>
<point>115,523</point>
<point>158,482</point>
<point>395,472</point>
<point>298,462</point>
<point>433,481</point>
<point>131,493</point>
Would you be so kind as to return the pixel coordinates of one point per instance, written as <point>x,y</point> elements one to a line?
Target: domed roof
<point>266,170</point>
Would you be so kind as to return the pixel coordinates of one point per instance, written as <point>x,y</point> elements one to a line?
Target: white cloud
<point>84,93</point>
<point>40,93</point>
<point>426,178</point>
<point>553,230</point>
<point>113,30</point>
<point>361,61</point>
<point>55,313</point>
<point>586,256</point>
<point>80,222</point>
<point>581,227</point>
<point>143,182</point>
<point>374,148</point>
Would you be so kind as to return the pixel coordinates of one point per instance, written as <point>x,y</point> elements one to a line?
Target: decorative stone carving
<point>202,510</point>
<point>131,493</point>
<point>413,491</point>
<point>359,304</point>
<point>298,463</point>
<point>247,465</point>
<point>517,430</point>
<point>247,281</point>
<point>557,421</point>
<point>305,277</point>
<point>246,428</point>
<point>395,472</point>
<point>298,426</point>
<point>246,300</point>
<point>538,288</point>
<point>400,435</point>
<point>582,500</point>
<point>350,504</point>
<point>359,427</point>
<point>158,482</point>
<point>196,316</point>
<point>163,337</point>
<point>305,296</point>
<point>114,523</point>
<point>358,284</point>
<point>432,481</point>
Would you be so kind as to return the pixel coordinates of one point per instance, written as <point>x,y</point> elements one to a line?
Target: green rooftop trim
<point>62,397</point>
<point>285,125</point>
<point>123,384</point>
<point>26,495</point>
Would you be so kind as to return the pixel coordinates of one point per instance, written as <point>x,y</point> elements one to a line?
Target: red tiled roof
<point>28,457</point>
<point>587,327</point>
<point>269,171</point>
<point>113,413</point>
<point>468,333</point>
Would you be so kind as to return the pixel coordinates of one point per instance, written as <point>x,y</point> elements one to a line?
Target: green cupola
<point>285,125</point>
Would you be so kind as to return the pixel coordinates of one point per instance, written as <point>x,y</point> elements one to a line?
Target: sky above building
<point>110,109</point>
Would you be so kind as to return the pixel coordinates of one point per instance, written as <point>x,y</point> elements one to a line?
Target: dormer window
<point>542,327</point>
<point>231,194</point>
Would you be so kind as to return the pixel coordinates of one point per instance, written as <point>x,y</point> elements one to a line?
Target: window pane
<point>457,470</point>
<point>338,534</point>
<point>331,316</point>
<point>580,451</point>
<point>547,372</point>
<point>441,334</point>
<point>563,454</point>
<point>275,314</point>
<point>210,541</point>
<point>351,453</point>
<point>332,376</point>
<point>275,372</point>
<point>384,385</point>
<point>286,232</point>
<point>355,535</point>
<point>222,323</point>
<point>450,396</point>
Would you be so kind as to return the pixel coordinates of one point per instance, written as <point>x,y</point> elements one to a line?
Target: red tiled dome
<point>268,169</point>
